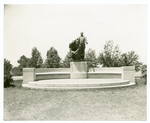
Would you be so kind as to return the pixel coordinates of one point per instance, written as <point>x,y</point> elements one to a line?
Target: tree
<point>7,73</point>
<point>53,59</point>
<point>23,63</point>
<point>36,59</point>
<point>91,58</point>
<point>130,59</point>
<point>110,56</point>
<point>66,61</point>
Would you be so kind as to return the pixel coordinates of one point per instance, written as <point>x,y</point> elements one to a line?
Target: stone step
<point>58,88</point>
<point>77,84</point>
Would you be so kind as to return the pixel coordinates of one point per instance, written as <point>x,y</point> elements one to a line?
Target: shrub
<point>144,72</point>
<point>17,71</point>
<point>130,59</point>
<point>7,73</point>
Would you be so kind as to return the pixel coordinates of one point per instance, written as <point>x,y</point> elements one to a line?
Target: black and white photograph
<point>74,61</point>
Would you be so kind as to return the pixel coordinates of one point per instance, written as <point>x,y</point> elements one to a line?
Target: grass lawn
<point>123,104</point>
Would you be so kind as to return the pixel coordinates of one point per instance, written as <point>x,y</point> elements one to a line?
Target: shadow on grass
<point>16,84</point>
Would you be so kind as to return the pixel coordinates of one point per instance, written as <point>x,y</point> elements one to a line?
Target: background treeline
<point>110,56</point>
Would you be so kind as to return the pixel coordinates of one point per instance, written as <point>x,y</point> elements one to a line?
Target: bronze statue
<point>82,43</point>
<point>77,48</point>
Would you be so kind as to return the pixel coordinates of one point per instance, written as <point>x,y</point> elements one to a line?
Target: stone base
<point>78,70</point>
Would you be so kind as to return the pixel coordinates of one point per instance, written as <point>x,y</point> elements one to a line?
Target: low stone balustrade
<point>124,73</point>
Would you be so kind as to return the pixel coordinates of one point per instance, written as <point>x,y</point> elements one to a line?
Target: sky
<point>43,26</point>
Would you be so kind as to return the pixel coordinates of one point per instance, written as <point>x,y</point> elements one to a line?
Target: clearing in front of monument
<point>125,103</point>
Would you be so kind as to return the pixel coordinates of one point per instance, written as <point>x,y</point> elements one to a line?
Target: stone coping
<point>130,68</point>
<point>78,62</point>
<point>104,72</point>
<point>103,69</point>
<point>42,70</point>
<point>78,72</point>
<point>28,69</point>
<point>46,73</point>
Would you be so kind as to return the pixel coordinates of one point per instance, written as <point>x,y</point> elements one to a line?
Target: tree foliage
<point>34,62</point>
<point>130,59</point>
<point>111,56</point>
<point>66,61</point>
<point>36,59</point>
<point>7,73</point>
<point>91,58</point>
<point>23,61</point>
<point>17,71</point>
<point>53,59</point>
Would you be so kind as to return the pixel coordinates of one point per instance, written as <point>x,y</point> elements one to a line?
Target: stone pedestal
<point>128,73</point>
<point>78,70</point>
<point>28,75</point>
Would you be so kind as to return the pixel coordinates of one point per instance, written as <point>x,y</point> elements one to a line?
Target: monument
<point>77,76</point>
<point>78,66</point>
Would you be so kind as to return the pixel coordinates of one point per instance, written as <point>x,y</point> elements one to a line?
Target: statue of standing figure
<point>77,48</point>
